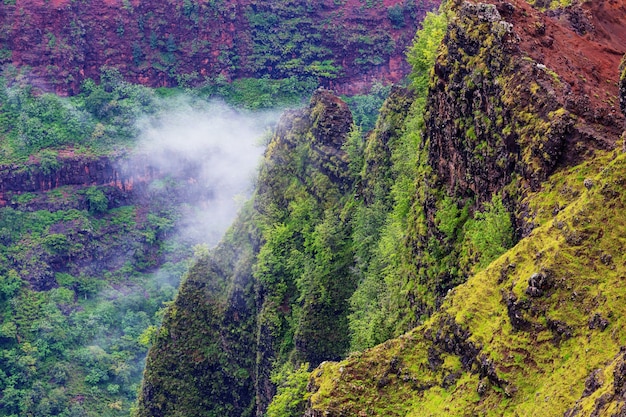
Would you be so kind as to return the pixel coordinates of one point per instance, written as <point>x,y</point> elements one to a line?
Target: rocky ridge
<point>126,178</point>
<point>491,347</point>
<point>237,311</point>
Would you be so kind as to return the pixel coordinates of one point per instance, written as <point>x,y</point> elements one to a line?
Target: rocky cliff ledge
<point>125,178</point>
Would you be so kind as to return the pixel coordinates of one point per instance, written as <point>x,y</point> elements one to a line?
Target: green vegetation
<point>490,233</point>
<point>425,48</point>
<point>97,120</point>
<point>348,244</point>
<point>75,309</point>
<point>395,163</point>
<point>87,271</point>
<point>535,344</point>
<point>291,396</point>
<point>81,301</point>
<point>259,93</point>
<point>211,322</point>
<point>290,40</point>
<point>286,41</point>
<point>365,107</point>
<point>311,41</point>
<point>537,329</point>
<point>275,288</point>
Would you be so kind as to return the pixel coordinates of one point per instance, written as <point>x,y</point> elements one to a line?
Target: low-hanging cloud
<point>212,147</point>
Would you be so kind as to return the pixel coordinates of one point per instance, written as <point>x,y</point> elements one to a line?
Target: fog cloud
<point>213,148</point>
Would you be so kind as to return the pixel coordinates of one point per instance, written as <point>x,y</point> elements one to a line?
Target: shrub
<point>97,201</point>
<point>396,15</point>
<point>490,233</point>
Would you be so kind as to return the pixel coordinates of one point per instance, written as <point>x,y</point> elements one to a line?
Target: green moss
<point>539,370</point>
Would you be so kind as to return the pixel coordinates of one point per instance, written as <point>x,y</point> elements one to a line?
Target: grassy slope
<point>539,369</point>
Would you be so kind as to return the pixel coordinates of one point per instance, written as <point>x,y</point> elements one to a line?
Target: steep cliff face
<point>202,362</point>
<point>349,44</point>
<point>520,91</point>
<point>505,111</point>
<point>245,311</point>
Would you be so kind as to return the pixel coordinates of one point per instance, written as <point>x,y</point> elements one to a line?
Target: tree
<point>491,232</point>
<point>425,48</point>
<point>10,284</point>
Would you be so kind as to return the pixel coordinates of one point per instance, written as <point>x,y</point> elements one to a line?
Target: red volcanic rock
<point>169,42</point>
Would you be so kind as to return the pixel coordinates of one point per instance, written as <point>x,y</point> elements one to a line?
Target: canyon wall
<point>347,44</point>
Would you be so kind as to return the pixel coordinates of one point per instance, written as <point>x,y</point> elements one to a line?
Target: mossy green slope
<point>202,361</point>
<point>521,337</point>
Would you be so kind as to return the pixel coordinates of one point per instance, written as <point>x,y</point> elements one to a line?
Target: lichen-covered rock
<point>499,108</point>
<point>465,119</point>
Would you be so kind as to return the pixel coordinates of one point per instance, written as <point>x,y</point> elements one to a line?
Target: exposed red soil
<point>584,45</point>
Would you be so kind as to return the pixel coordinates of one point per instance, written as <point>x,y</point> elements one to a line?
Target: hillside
<point>461,255</point>
<point>101,211</point>
<point>482,215</point>
<point>349,44</point>
<point>538,332</point>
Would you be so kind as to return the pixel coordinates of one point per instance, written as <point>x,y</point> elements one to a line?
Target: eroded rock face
<point>505,102</point>
<point>468,150</point>
<point>514,97</point>
<point>126,177</point>
<point>172,42</point>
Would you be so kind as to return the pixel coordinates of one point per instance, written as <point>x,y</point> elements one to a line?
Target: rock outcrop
<point>126,177</point>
